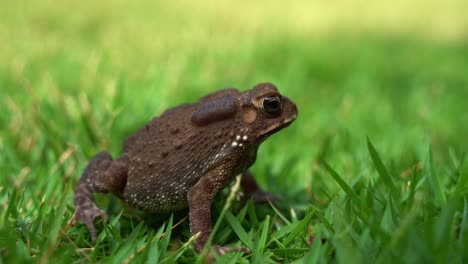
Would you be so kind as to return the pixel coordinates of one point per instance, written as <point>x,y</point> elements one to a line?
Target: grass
<point>373,170</point>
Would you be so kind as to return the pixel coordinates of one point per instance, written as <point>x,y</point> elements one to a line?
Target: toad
<point>187,155</point>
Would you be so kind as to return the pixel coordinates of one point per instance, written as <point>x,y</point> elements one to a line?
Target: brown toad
<point>187,155</point>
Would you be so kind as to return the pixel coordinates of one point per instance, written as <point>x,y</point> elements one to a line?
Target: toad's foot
<point>87,216</point>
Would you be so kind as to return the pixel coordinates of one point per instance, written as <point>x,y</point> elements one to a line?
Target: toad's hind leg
<point>101,175</point>
<point>252,190</point>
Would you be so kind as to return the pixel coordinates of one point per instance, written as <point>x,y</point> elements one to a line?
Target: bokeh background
<point>78,77</point>
<point>87,73</point>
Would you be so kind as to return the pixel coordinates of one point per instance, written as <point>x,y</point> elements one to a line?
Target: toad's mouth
<point>277,126</point>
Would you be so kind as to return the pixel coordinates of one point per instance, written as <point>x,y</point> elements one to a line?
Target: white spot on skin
<point>240,145</point>
<point>234,144</point>
<point>244,138</point>
<point>238,137</point>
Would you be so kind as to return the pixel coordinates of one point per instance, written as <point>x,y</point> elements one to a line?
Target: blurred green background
<point>78,77</point>
<point>88,74</point>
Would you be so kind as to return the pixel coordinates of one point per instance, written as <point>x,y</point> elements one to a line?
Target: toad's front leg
<point>101,175</point>
<point>199,199</point>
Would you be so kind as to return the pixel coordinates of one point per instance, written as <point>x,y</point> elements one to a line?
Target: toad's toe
<point>87,216</point>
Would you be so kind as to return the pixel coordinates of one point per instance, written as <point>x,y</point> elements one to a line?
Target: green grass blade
<point>263,235</point>
<point>352,195</point>
<point>283,231</point>
<point>442,228</point>
<point>381,169</point>
<point>435,182</point>
<point>11,209</point>
<point>167,237</point>
<point>387,222</point>
<point>251,212</point>
<point>461,188</point>
<point>463,236</point>
<point>323,220</point>
<point>315,254</point>
<point>239,230</point>
<point>299,228</point>
<point>278,213</point>
<point>153,249</point>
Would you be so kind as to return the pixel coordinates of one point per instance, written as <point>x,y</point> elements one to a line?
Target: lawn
<point>373,169</point>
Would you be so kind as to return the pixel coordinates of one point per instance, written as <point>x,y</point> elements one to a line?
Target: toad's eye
<point>272,105</point>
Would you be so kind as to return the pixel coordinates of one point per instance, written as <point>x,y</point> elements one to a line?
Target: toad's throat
<point>277,126</point>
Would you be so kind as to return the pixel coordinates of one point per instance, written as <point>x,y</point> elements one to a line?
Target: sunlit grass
<point>373,170</point>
